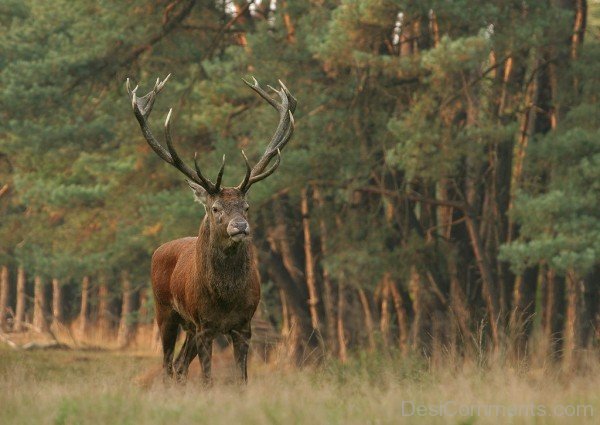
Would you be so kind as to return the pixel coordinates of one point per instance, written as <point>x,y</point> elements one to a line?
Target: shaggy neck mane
<point>222,264</point>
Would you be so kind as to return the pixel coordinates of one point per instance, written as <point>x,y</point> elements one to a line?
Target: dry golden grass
<point>111,387</point>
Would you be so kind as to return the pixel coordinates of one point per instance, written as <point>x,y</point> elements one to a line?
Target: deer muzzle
<point>238,230</point>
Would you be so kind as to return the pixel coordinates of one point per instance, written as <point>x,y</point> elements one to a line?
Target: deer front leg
<point>186,355</point>
<point>204,343</point>
<point>169,328</point>
<point>241,344</point>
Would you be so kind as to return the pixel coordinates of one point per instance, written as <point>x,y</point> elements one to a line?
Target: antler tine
<point>204,182</point>
<point>291,99</point>
<point>131,92</point>
<point>261,92</point>
<point>267,173</point>
<point>220,175</point>
<point>280,131</point>
<point>285,128</point>
<point>159,85</point>
<point>268,156</point>
<point>157,147</point>
<point>146,103</point>
<point>142,106</point>
<point>271,152</point>
<point>244,182</point>
<point>288,134</point>
<point>179,164</point>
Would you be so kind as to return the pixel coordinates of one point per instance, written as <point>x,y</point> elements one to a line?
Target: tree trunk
<point>285,314</point>
<point>525,129</point>
<point>508,68</point>
<point>523,306</point>
<point>4,296</point>
<point>296,346</point>
<point>83,311</point>
<point>341,333</point>
<point>444,213</point>
<point>488,288</point>
<point>385,317</point>
<point>401,315</point>
<point>434,28</point>
<point>156,342</point>
<point>328,298</point>
<point>143,311</point>
<point>39,307</point>
<point>57,316</point>
<point>555,312</point>
<point>310,271</point>
<point>458,303</point>
<point>126,323</point>
<point>278,238</point>
<point>579,26</point>
<point>295,302</point>
<point>364,301</point>
<point>415,288</point>
<point>104,324</point>
<point>289,26</point>
<point>572,331</point>
<point>549,308</point>
<point>591,309</point>
<point>406,42</point>
<point>473,176</point>
<point>21,299</point>
<point>290,330</point>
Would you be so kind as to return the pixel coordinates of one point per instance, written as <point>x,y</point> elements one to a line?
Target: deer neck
<point>222,266</point>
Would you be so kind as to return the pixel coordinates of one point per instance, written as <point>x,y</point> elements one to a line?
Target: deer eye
<point>215,209</point>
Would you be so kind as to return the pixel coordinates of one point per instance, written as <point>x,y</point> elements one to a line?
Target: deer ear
<point>200,194</point>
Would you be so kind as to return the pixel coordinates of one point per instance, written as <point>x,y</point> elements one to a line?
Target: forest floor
<point>113,387</point>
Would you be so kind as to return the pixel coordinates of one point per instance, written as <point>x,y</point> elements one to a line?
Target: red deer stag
<point>210,284</point>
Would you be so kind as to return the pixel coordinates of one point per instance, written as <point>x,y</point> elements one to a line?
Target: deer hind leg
<point>169,329</point>
<point>204,343</point>
<point>241,344</point>
<point>186,355</point>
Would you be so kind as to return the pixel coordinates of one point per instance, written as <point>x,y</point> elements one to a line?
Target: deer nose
<point>238,227</point>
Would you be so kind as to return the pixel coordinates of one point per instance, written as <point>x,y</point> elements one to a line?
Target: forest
<point>440,193</point>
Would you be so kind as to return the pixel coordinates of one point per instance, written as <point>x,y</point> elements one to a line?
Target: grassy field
<point>108,387</point>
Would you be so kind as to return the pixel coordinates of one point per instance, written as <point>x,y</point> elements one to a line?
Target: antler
<point>283,133</point>
<point>142,106</point>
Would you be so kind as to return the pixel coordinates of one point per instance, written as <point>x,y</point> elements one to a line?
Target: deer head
<point>226,207</point>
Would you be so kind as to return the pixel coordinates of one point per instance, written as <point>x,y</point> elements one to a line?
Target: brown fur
<point>207,284</point>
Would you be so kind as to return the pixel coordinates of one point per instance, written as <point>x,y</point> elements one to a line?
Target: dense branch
<point>107,67</point>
